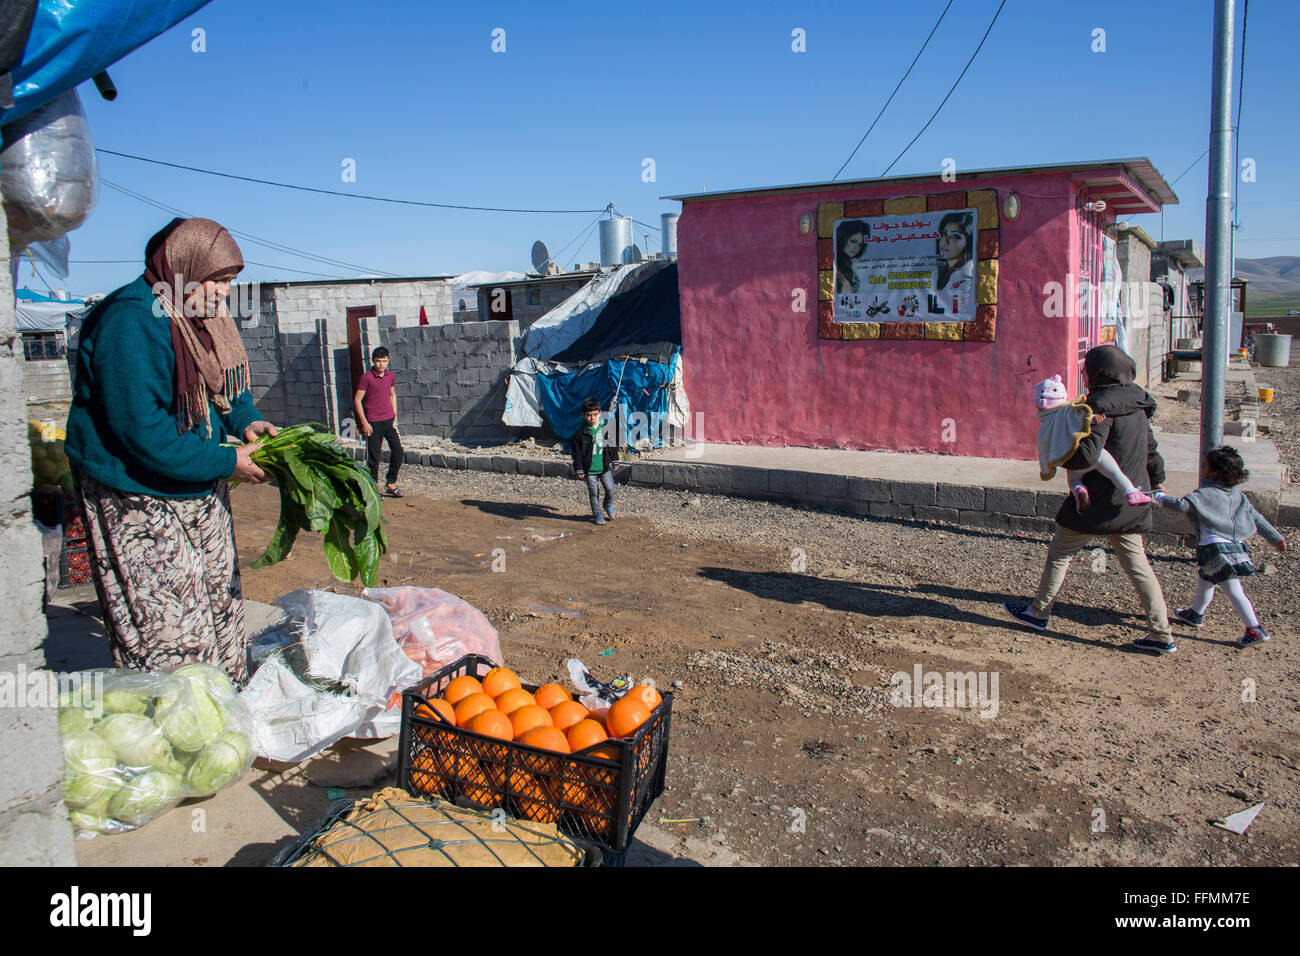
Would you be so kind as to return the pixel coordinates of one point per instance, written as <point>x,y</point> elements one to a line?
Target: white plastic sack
<point>334,681</point>
<point>48,172</point>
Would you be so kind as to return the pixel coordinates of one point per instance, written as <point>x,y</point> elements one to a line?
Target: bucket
<point>1273,351</point>
<point>1265,393</point>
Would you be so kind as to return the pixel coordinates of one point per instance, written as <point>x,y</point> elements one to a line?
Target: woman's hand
<point>252,432</point>
<point>245,469</point>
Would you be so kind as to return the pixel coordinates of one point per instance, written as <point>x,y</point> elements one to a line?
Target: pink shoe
<point>1081,500</point>
<point>1136,497</point>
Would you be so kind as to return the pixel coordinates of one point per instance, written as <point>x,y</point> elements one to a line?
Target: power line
<point>336,192</point>
<point>950,92</point>
<point>249,262</point>
<point>278,247</point>
<point>581,233</point>
<point>891,95</point>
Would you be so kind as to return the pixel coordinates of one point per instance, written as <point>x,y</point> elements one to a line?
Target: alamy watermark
<point>951,689</point>
<point>22,688</point>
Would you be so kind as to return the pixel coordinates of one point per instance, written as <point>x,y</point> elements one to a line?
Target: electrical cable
<point>950,92</point>
<point>891,95</point>
<point>336,192</point>
<point>278,247</point>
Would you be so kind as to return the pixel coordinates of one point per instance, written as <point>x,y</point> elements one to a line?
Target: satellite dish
<point>635,253</point>
<point>542,262</point>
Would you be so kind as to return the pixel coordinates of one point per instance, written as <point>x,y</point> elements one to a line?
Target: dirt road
<point>784,627</point>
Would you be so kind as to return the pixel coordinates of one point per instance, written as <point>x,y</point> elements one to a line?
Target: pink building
<point>905,314</point>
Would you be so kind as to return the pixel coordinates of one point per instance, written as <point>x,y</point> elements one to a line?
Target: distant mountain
<point>1265,278</point>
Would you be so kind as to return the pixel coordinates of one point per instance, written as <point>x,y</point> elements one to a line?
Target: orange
<point>647,695</point>
<point>460,688</point>
<point>471,706</point>
<point>528,717</point>
<point>547,738</point>
<point>585,733</point>
<point>568,713</point>
<point>627,714</point>
<point>492,723</point>
<point>548,695</point>
<point>431,709</point>
<point>609,753</point>
<point>499,680</point>
<point>532,800</point>
<point>512,699</point>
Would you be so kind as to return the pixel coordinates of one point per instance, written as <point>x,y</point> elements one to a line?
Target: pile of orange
<point>498,706</point>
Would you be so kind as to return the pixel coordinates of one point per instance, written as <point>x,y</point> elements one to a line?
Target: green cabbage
<point>85,820</point>
<point>75,720</point>
<point>89,773</point>
<point>137,742</point>
<point>239,742</point>
<point>216,766</point>
<point>206,677</point>
<point>125,702</point>
<point>188,716</point>
<point>141,799</point>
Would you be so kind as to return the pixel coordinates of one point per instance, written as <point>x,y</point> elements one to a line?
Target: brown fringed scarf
<point>211,365</point>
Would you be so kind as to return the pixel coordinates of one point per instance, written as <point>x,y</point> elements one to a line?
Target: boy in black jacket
<point>594,460</point>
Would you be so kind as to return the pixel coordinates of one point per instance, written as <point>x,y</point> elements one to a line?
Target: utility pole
<point>1218,235</point>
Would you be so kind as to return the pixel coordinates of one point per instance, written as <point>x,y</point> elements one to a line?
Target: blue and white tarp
<point>73,40</point>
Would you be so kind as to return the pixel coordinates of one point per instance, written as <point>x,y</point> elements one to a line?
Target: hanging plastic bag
<point>327,672</point>
<point>135,744</point>
<point>48,172</point>
<point>435,628</point>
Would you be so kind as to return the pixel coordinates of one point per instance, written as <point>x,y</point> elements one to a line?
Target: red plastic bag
<point>435,628</point>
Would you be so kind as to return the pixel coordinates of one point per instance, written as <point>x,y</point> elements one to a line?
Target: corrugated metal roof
<point>1141,169</point>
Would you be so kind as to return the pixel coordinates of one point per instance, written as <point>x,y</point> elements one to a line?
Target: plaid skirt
<point>167,576</point>
<point>1222,560</point>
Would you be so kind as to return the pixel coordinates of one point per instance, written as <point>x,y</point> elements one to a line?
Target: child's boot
<point>1081,500</point>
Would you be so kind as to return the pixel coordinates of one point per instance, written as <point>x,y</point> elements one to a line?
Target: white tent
<point>47,316</point>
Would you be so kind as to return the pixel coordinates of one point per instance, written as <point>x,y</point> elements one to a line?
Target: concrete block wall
<point>553,292</point>
<point>298,306</point>
<point>451,379</point>
<point>302,380</point>
<point>47,380</point>
<point>34,828</point>
<point>263,347</point>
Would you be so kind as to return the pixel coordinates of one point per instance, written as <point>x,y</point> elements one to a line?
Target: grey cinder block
<point>1011,501</point>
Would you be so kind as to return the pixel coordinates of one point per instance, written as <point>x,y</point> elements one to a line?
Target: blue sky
<point>584,92</point>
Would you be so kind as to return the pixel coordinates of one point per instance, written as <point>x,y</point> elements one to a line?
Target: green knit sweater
<point>122,430</point>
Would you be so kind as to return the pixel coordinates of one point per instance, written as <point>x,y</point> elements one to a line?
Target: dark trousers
<point>379,432</point>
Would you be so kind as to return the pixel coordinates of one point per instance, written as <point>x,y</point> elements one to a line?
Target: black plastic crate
<point>598,795</point>
<point>337,810</point>
<point>74,564</point>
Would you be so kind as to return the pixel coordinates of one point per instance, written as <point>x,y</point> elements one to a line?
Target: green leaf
<point>367,552</point>
<point>339,554</point>
<point>281,541</point>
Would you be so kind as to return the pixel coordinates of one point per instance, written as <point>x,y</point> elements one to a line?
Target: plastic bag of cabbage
<point>147,741</point>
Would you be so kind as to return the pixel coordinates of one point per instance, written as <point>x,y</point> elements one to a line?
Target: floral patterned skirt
<point>167,576</point>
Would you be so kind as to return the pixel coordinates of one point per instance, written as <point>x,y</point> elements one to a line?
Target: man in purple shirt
<point>376,406</point>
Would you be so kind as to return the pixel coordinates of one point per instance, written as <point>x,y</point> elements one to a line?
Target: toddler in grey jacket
<point>1224,520</point>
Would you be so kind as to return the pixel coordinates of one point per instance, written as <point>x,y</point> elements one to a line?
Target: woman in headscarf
<point>1126,433</point>
<point>161,380</point>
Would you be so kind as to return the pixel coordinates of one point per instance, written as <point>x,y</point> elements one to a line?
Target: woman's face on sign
<point>952,243</point>
<point>853,245</point>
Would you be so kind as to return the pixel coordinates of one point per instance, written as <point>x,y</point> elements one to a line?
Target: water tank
<point>615,241</point>
<point>668,233</point>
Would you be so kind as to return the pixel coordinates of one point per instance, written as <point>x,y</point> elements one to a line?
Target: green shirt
<point>122,430</point>
<point>597,449</point>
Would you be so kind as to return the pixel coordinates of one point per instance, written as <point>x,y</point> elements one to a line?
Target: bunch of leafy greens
<point>323,490</point>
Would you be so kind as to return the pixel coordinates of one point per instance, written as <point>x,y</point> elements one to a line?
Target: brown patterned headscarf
<point>211,364</point>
